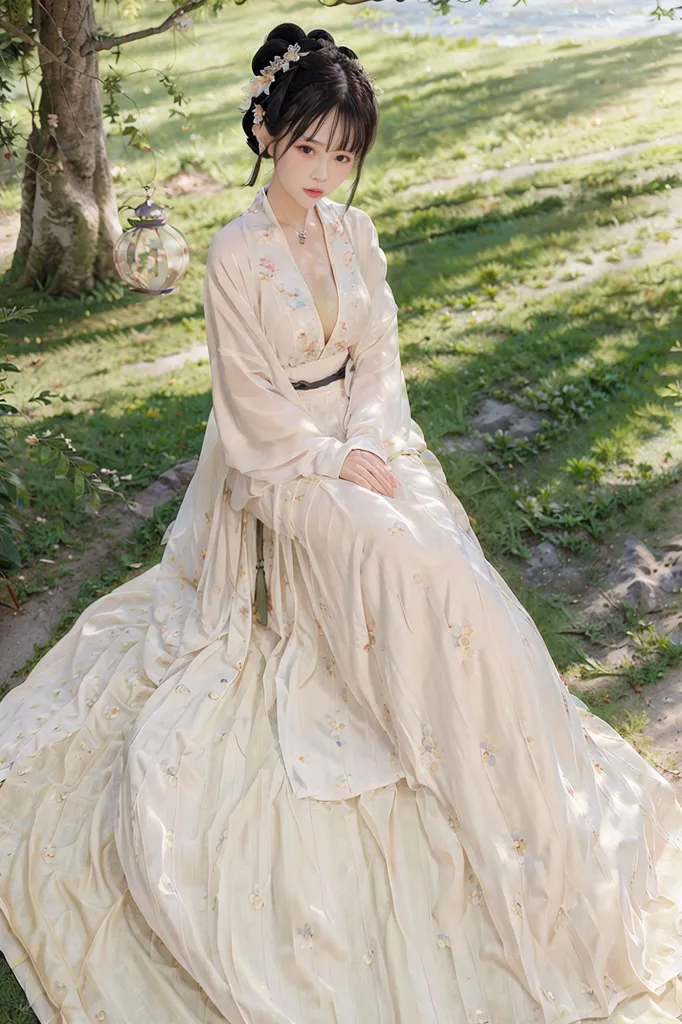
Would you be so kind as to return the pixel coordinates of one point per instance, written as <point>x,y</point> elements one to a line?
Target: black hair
<point>328,81</point>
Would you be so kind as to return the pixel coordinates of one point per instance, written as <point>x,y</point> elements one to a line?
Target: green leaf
<point>62,468</point>
<point>78,483</point>
<point>9,553</point>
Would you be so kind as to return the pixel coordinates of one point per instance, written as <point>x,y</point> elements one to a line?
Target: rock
<point>637,557</point>
<point>162,490</point>
<point>459,443</point>
<point>493,415</point>
<point>671,581</point>
<point>642,593</point>
<point>545,556</point>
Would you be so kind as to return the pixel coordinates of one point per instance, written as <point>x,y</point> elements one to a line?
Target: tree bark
<point>69,216</point>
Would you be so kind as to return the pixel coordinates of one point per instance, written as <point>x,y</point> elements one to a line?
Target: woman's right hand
<point>368,470</point>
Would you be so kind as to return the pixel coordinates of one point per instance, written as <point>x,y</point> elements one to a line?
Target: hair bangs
<point>351,128</point>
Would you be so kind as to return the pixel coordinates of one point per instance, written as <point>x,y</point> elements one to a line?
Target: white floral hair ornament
<point>261,83</point>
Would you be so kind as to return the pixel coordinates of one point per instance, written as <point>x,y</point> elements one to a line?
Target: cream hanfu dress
<point>382,807</point>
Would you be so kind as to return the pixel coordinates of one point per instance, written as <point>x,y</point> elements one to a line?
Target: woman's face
<point>312,167</point>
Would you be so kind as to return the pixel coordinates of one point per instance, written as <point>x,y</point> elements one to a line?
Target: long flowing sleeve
<point>379,406</point>
<point>267,437</point>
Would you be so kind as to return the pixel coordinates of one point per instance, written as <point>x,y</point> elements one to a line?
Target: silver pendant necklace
<point>302,235</point>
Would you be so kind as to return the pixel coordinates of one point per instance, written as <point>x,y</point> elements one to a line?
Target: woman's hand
<point>367,469</point>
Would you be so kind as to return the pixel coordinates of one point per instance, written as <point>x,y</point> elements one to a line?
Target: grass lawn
<point>501,286</point>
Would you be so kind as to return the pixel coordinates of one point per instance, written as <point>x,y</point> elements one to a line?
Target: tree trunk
<point>69,217</point>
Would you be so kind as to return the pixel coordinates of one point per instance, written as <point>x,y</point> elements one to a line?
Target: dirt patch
<point>39,616</point>
<point>191,183</point>
<point>164,364</point>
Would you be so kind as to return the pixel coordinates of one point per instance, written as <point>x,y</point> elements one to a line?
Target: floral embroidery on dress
<point>517,908</point>
<point>334,731</point>
<point>519,845</point>
<point>488,752</point>
<point>306,936</point>
<point>461,635</point>
<point>255,899</point>
<point>396,529</point>
<point>371,626</point>
<point>431,752</point>
<point>267,269</point>
<point>297,300</point>
<point>476,895</point>
<point>443,940</point>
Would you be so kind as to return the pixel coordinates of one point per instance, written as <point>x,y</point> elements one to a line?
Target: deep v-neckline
<point>330,256</point>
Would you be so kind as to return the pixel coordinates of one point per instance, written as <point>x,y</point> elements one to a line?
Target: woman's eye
<point>308,149</point>
<point>346,159</point>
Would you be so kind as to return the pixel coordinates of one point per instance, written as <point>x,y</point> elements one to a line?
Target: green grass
<point>475,269</point>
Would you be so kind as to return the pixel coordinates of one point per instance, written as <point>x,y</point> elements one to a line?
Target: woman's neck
<point>286,209</point>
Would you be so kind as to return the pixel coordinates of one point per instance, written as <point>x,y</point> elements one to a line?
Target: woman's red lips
<point>314,191</point>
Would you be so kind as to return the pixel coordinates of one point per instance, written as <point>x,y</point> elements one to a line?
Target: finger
<point>380,485</point>
<point>377,463</point>
<point>388,480</point>
<point>368,480</point>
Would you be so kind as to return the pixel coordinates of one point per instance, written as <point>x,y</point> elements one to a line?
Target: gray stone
<point>493,415</point>
<point>458,443</point>
<point>671,581</point>
<point>642,593</point>
<point>637,558</point>
<point>163,489</point>
<point>545,556</point>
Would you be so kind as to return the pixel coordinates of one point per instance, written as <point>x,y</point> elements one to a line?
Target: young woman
<point>317,766</point>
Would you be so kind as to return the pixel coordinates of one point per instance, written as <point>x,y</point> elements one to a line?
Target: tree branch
<point>109,42</point>
<point>14,30</point>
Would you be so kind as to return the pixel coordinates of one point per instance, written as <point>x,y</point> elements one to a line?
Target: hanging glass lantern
<point>151,256</point>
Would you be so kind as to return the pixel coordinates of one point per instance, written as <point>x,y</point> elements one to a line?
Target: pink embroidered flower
<point>267,269</point>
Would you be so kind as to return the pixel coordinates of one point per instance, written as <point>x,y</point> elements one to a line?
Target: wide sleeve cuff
<point>329,461</point>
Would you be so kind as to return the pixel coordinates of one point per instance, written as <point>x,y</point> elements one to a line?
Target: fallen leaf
<point>637,688</point>
<point>606,698</point>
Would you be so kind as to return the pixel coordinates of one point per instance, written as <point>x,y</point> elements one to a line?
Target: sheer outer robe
<point>263,331</point>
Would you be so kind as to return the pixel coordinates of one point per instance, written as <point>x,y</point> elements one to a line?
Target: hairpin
<point>261,83</point>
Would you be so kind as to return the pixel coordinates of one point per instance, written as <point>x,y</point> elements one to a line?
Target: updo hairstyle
<point>328,81</point>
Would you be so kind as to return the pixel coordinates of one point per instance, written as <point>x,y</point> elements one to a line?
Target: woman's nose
<point>322,170</point>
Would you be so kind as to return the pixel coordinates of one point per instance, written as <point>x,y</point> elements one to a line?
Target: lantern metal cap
<point>148,215</point>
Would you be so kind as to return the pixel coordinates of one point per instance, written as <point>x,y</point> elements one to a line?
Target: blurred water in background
<point>540,21</point>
